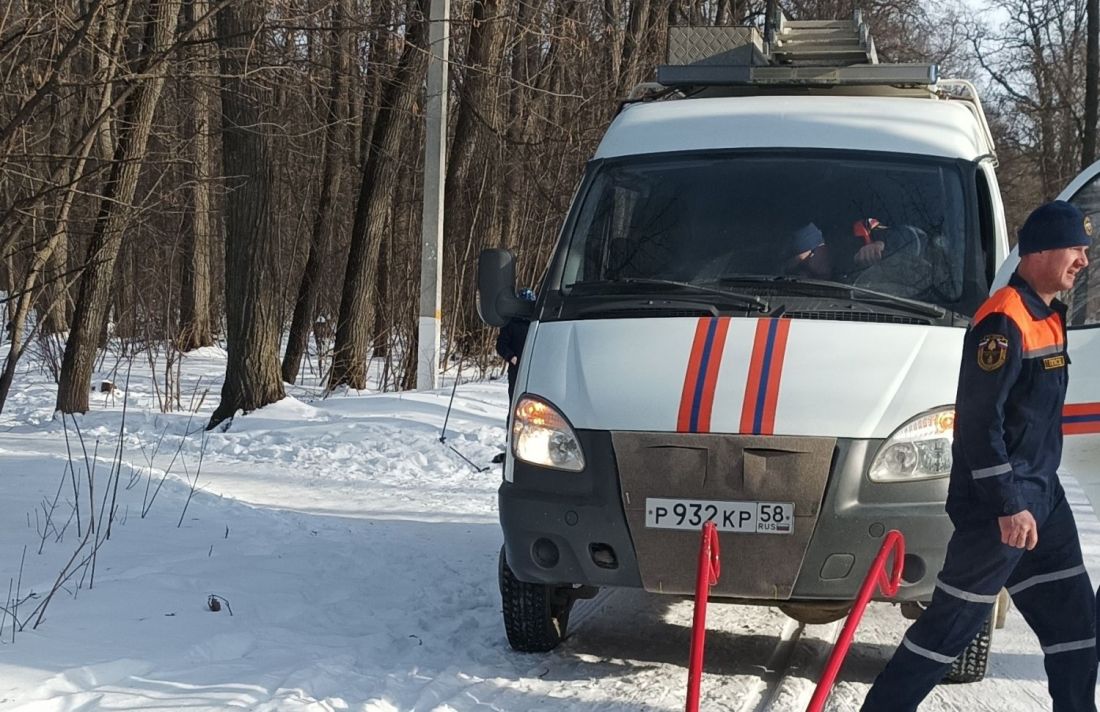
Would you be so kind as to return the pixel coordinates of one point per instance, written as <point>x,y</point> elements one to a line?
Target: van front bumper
<point>577,527</point>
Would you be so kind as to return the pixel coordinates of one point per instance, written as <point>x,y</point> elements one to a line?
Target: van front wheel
<point>971,665</point>
<point>535,615</point>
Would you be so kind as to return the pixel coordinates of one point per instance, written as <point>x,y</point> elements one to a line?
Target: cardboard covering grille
<point>723,468</point>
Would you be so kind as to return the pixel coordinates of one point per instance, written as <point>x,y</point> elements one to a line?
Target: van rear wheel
<point>535,615</point>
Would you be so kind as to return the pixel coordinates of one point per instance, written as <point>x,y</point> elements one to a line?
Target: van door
<point>1081,416</point>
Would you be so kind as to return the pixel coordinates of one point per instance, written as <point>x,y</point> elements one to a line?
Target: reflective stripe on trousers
<point>1049,586</point>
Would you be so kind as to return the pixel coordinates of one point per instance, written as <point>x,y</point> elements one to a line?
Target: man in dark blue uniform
<point>1013,527</point>
<point>510,341</point>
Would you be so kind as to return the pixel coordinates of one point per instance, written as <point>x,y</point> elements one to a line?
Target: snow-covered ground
<point>357,555</point>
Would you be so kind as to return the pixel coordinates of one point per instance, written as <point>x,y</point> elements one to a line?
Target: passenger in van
<point>895,259</point>
<point>872,242</point>
<point>1013,526</point>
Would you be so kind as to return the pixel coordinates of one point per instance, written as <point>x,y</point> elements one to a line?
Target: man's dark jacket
<point>510,343</point>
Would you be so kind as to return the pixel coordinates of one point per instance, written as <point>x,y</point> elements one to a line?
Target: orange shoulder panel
<point>1041,336</point>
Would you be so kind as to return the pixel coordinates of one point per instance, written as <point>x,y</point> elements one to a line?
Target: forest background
<point>177,174</point>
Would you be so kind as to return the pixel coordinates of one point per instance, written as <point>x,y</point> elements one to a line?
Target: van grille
<point>875,317</point>
<point>645,313</point>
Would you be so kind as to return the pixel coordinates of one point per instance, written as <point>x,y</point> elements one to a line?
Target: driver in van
<point>808,255</point>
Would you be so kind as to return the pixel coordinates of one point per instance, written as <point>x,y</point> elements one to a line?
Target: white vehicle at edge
<point>681,366</point>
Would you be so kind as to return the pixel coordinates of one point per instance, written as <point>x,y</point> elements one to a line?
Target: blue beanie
<point>1054,226</point>
<point>806,238</point>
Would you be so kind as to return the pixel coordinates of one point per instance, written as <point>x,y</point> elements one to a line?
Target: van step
<point>806,47</point>
<point>818,24</point>
<point>832,55</point>
<point>799,40</point>
<point>826,34</point>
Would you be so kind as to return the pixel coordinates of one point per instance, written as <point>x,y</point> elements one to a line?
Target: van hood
<point>758,376</point>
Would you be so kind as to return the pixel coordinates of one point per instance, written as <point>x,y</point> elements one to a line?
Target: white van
<point>682,366</point>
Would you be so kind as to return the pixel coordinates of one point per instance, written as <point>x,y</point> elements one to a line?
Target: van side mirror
<point>496,288</point>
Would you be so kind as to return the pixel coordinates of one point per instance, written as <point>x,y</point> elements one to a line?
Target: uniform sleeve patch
<point>992,351</point>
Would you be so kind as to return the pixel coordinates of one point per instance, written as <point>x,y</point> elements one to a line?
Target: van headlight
<point>918,450</point>
<point>541,436</point>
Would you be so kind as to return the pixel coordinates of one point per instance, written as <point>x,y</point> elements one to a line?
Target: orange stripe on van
<point>691,377</point>
<point>752,382</point>
<point>710,383</point>
<point>1041,336</point>
<point>775,371</point>
<point>1081,419</point>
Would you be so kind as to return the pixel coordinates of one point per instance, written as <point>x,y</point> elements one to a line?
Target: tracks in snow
<point>778,688</point>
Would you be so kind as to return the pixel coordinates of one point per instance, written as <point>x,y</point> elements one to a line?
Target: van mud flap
<point>738,468</point>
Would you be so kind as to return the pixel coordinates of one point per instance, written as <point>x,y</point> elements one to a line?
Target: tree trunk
<point>195,286</point>
<point>252,335</point>
<point>124,295</point>
<point>353,326</point>
<point>722,13</point>
<point>54,300</point>
<point>381,332</point>
<point>612,38</point>
<point>55,294</point>
<point>469,221</point>
<point>95,282</point>
<point>305,306</point>
<point>633,45</point>
<point>1092,76</point>
<point>477,102</point>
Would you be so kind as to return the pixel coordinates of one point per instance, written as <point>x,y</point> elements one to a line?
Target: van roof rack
<point>806,53</point>
<point>795,57</point>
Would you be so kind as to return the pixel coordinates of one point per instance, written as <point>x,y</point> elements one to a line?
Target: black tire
<point>535,615</point>
<point>972,664</point>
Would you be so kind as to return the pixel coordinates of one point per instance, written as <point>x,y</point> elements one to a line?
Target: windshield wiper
<point>646,304</point>
<point>854,292</point>
<point>748,301</point>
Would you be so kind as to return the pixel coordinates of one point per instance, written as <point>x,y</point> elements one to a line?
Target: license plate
<point>744,517</point>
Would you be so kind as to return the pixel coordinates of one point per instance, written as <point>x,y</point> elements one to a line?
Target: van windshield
<point>896,225</point>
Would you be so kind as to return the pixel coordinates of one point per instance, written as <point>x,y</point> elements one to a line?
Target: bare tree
<point>1035,60</point>
<point>333,151</point>
<point>196,328</point>
<point>252,335</point>
<point>1092,78</point>
<point>95,283</point>
<point>353,327</point>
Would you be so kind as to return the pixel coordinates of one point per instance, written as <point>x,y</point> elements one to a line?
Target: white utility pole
<point>435,172</point>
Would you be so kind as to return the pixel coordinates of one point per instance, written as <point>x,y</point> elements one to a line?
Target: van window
<point>705,218</point>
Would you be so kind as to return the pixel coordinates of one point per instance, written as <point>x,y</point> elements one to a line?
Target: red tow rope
<point>710,568</point>
<point>876,578</point>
